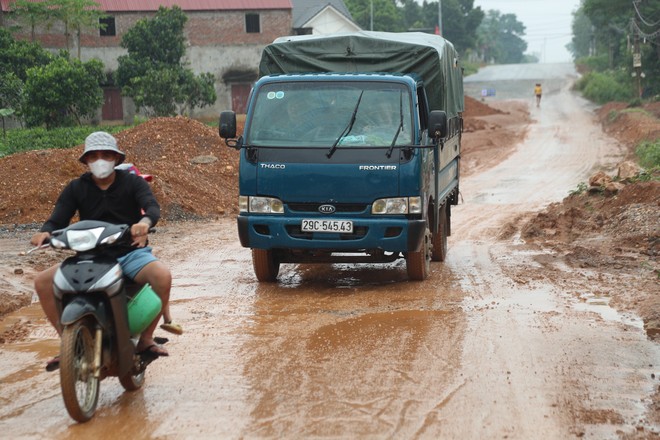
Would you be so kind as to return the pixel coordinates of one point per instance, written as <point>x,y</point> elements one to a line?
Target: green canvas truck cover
<point>430,56</point>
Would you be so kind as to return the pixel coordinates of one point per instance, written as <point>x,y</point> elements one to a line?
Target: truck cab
<point>342,167</point>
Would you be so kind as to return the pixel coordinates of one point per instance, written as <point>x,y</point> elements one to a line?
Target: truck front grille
<point>339,207</point>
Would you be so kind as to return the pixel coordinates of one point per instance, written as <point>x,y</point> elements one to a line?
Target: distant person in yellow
<point>538,91</point>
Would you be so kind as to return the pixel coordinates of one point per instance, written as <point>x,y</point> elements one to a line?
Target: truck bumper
<point>387,234</point>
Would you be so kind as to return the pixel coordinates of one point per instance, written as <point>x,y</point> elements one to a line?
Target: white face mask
<point>102,168</point>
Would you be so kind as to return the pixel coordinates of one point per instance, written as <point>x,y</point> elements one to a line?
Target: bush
<point>605,87</point>
<point>469,67</point>
<point>649,154</point>
<point>598,63</point>
<point>63,92</point>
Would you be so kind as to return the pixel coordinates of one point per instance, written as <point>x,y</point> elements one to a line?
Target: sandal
<point>53,364</point>
<point>172,328</point>
<point>154,350</point>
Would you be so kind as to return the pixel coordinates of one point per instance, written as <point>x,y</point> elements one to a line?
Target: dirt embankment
<point>612,228</point>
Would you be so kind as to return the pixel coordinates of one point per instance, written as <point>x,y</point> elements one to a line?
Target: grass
<point>23,139</point>
<point>18,140</point>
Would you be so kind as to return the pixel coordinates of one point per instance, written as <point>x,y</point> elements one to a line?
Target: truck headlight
<point>397,205</point>
<point>261,205</point>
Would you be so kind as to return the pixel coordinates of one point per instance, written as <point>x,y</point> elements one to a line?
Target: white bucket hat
<point>101,141</point>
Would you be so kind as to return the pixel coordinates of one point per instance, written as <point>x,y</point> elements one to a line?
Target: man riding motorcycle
<point>114,196</point>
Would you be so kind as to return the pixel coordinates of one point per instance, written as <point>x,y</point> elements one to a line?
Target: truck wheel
<point>418,264</point>
<point>266,266</point>
<point>440,239</point>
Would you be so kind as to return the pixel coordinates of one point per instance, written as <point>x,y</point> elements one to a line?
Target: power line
<point>639,14</point>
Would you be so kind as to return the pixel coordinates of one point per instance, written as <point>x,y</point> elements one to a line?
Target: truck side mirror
<point>227,125</point>
<point>437,124</point>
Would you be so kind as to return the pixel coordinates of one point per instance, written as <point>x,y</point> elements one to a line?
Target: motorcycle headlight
<point>85,240</point>
<point>111,239</point>
<point>397,205</point>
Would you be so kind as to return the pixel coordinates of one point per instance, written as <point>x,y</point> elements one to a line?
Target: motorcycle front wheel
<point>80,389</point>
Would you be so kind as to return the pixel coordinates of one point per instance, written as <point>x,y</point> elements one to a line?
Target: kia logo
<point>326,209</point>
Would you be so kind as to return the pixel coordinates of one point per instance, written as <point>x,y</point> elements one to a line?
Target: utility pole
<point>440,17</point>
<point>637,62</point>
<point>372,15</point>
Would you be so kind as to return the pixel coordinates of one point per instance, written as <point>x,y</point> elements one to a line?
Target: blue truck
<point>350,151</point>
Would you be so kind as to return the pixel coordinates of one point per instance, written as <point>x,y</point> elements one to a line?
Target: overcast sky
<point>547,24</point>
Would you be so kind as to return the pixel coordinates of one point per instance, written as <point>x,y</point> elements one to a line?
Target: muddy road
<point>357,351</point>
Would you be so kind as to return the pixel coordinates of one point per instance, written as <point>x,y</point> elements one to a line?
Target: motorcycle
<point>101,315</point>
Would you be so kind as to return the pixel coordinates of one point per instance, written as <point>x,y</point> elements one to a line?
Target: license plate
<point>317,225</point>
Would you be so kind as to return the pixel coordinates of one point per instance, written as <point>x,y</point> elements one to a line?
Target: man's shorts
<point>134,261</point>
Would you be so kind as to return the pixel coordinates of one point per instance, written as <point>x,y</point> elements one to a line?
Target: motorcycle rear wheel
<point>80,389</point>
<point>131,381</point>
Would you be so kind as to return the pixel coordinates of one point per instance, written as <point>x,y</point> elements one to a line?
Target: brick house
<point>225,38</point>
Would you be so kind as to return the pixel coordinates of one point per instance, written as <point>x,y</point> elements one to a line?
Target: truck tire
<point>266,267</point>
<point>440,239</point>
<point>418,264</point>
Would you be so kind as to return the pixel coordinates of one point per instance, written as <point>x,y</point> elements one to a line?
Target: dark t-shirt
<point>121,203</point>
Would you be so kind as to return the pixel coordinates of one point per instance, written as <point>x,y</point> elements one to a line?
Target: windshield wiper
<point>399,129</point>
<point>348,128</point>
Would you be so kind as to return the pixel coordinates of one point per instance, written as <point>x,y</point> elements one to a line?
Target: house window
<point>107,27</point>
<point>252,24</point>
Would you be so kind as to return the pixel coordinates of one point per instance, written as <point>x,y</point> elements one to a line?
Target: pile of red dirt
<point>631,125</point>
<point>626,219</point>
<point>474,108</point>
<point>194,172</point>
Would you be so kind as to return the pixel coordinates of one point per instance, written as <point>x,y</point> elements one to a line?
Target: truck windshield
<point>314,114</point>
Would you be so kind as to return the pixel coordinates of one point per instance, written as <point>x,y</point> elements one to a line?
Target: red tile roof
<point>186,5</point>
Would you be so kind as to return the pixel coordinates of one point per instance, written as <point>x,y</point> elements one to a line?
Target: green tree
<point>581,42</point>
<point>11,93</point>
<point>460,22</point>
<point>77,16</point>
<point>152,72</point>
<point>31,13</point>
<point>500,38</point>
<point>17,56</point>
<point>459,17</point>
<point>198,91</point>
<point>610,18</point>
<point>63,92</point>
<point>620,26</point>
<point>386,17</point>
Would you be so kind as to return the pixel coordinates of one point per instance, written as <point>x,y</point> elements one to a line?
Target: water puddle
<point>600,304</point>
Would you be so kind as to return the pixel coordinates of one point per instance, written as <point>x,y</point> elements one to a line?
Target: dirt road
<point>488,347</point>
